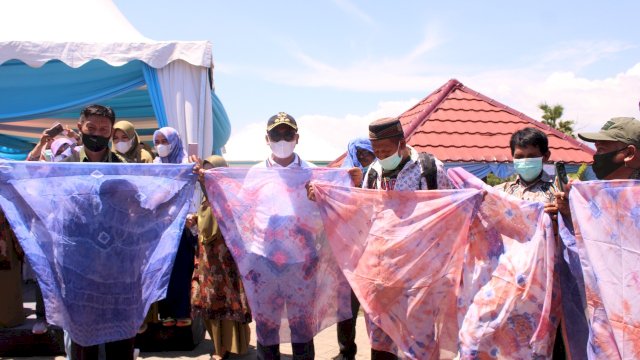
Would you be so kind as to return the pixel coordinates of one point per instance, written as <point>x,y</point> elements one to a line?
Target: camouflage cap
<point>622,129</point>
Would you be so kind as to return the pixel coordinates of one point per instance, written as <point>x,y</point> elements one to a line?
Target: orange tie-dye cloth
<point>400,252</point>
<point>509,303</point>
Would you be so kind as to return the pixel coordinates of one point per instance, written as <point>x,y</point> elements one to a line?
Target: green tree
<point>551,116</point>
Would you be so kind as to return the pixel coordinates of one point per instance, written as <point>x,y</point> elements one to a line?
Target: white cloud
<point>321,137</point>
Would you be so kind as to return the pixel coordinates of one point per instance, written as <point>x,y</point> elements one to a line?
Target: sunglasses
<point>278,136</point>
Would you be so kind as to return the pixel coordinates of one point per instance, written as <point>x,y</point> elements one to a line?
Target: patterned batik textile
<point>294,286</point>
<point>606,219</point>
<point>400,251</point>
<point>507,306</point>
<point>100,237</point>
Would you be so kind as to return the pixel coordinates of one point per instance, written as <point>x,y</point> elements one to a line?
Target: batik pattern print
<point>400,252</point>
<point>606,219</point>
<point>100,237</point>
<point>508,305</point>
<point>294,286</point>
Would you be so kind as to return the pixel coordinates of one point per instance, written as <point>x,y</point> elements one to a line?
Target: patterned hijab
<point>177,155</point>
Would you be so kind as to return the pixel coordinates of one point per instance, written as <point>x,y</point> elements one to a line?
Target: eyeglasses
<point>278,136</point>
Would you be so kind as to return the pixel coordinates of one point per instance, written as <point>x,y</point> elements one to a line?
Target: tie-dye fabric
<point>574,319</point>
<point>100,237</point>
<point>294,286</point>
<point>400,252</point>
<point>508,304</point>
<point>606,219</point>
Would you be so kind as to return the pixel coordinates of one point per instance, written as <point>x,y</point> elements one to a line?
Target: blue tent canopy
<point>58,91</point>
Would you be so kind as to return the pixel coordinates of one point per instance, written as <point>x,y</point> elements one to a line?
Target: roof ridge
<point>522,116</point>
<point>446,90</point>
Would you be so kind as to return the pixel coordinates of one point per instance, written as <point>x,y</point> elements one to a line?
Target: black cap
<point>385,128</point>
<point>281,118</point>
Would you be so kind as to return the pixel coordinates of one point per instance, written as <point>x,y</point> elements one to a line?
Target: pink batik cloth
<point>606,220</point>
<point>294,286</point>
<point>508,305</point>
<point>400,252</point>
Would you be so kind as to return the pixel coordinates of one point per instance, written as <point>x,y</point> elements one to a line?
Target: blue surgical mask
<point>391,162</point>
<point>528,169</point>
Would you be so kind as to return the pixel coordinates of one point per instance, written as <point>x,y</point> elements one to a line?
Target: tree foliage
<point>552,116</point>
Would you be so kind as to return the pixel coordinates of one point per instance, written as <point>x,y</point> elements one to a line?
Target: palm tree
<point>552,115</point>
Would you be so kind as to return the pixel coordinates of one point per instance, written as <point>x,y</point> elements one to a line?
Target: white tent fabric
<point>76,32</point>
<point>186,107</point>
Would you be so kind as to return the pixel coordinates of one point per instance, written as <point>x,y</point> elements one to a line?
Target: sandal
<point>168,322</point>
<point>184,322</point>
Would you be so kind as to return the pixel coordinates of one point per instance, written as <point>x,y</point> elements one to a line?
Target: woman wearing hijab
<point>169,146</point>
<point>127,144</point>
<point>61,148</point>
<point>359,154</point>
<point>175,309</point>
<point>217,291</point>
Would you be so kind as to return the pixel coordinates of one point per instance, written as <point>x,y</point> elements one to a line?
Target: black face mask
<point>603,164</point>
<point>94,143</point>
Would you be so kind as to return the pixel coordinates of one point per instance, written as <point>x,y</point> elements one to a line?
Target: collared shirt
<point>540,190</point>
<point>296,163</point>
<point>409,178</point>
<point>81,156</point>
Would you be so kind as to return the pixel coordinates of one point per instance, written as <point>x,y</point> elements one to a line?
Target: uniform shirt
<point>540,190</point>
<point>296,163</point>
<point>81,156</point>
<point>408,178</point>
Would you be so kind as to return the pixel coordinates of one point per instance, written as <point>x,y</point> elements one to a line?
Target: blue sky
<point>336,65</point>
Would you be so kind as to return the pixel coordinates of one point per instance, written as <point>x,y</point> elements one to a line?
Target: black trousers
<point>177,303</point>
<point>347,332</point>
<point>301,351</point>
<point>115,350</point>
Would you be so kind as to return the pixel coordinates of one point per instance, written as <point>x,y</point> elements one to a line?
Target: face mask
<point>528,169</point>
<point>94,143</point>
<point>65,154</point>
<point>163,150</point>
<point>282,149</point>
<point>391,162</point>
<point>603,164</point>
<point>365,169</point>
<point>123,146</point>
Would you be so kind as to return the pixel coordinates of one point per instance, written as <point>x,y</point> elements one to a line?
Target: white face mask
<point>392,161</point>
<point>163,150</point>
<point>123,146</point>
<point>65,154</point>
<point>282,149</point>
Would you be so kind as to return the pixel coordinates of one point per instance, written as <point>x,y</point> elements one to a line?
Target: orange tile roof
<point>458,124</point>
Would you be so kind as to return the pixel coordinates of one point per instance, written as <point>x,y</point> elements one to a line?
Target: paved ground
<point>325,343</point>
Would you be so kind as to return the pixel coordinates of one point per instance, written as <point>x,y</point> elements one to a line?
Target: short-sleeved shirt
<point>81,156</point>
<point>407,176</point>
<point>541,189</point>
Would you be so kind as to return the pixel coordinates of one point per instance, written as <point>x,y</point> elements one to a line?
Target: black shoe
<point>343,357</point>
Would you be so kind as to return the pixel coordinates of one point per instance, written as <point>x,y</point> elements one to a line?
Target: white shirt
<point>296,163</point>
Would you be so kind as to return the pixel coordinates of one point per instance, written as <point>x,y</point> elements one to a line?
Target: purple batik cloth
<point>276,235</point>
<point>508,306</point>
<point>402,253</point>
<point>100,237</point>
<point>606,220</point>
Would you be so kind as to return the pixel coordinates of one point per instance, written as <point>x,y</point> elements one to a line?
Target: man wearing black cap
<point>282,137</point>
<point>399,167</point>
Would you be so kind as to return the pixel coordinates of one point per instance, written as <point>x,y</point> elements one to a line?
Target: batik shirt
<point>409,178</point>
<point>540,190</point>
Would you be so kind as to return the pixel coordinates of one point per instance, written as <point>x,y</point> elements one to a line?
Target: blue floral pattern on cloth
<point>607,241</point>
<point>100,237</point>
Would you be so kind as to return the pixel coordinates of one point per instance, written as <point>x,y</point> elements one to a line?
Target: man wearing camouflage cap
<point>617,145</point>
